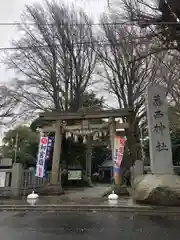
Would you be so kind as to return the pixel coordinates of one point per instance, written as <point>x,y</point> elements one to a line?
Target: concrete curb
<point>97,208</point>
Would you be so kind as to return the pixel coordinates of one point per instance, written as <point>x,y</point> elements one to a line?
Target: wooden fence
<point>30,180</point>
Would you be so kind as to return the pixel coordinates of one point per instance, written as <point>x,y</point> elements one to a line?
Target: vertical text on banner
<point>41,160</point>
<point>119,143</point>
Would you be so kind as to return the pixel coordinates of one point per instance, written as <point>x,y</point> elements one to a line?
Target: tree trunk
<point>133,148</point>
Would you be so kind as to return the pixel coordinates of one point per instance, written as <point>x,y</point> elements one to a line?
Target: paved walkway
<point>91,192</point>
<point>87,199</point>
<point>80,196</point>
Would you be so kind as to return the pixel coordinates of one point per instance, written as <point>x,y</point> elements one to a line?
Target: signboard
<point>2,179</point>
<point>43,156</point>
<point>159,135</point>
<point>74,174</point>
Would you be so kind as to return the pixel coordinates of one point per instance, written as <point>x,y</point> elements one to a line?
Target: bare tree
<point>7,105</point>
<point>127,77</point>
<point>54,59</point>
<point>160,17</point>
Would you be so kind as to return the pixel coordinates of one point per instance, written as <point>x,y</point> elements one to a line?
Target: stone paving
<point>84,200</point>
<point>55,201</point>
<point>92,192</point>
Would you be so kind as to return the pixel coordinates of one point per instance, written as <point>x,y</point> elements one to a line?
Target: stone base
<point>157,190</point>
<point>120,190</point>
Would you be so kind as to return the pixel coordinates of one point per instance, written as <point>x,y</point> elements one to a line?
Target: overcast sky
<point>11,10</point>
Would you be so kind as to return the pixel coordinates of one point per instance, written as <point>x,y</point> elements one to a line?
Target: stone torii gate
<point>86,129</point>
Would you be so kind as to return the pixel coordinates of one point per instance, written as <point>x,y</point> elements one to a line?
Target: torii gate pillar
<point>56,177</point>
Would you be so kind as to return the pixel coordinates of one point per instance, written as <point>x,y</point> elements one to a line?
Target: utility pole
<point>15,147</point>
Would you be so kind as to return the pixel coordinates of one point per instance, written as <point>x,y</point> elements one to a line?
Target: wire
<point>100,43</point>
<point>135,22</point>
<point>64,24</point>
<point>53,45</point>
<point>141,40</point>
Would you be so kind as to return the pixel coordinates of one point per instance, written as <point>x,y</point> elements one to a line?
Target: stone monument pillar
<point>158,127</point>
<point>162,187</point>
